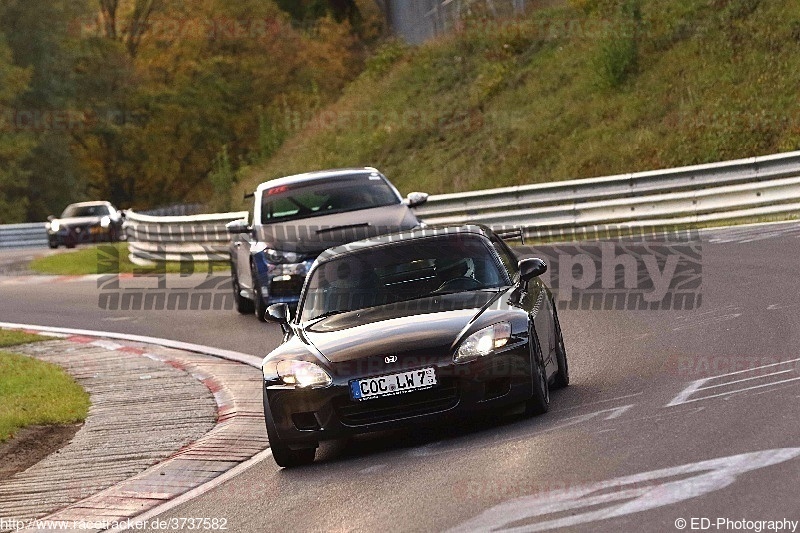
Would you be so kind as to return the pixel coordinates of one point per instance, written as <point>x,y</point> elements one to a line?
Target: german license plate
<point>367,388</point>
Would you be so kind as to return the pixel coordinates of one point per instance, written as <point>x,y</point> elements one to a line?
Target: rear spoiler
<point>511,234</point>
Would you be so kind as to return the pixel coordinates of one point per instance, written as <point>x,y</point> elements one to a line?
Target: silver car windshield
<point>75,211</point>
<point>326,197</point>
<point>402,272</point>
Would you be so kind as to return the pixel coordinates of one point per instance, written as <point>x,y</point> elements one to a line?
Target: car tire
<point>258,295</point>
<point>539,403</point>
<point>53,245</point>
<point>562,377</point>
<point>244,306</point>
<point>283,455</point>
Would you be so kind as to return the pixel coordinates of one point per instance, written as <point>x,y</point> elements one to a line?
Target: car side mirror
<point>280,314</point>
<point>51,218</point>
<point>237,227</point>
<point>531,268</point>
<point>416,199</point>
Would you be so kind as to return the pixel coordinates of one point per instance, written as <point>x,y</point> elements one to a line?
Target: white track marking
<point>621,496</point>
<point>741,390</point>
<point>230,355</point>
<point>685,396</point>
<point>598,402</point>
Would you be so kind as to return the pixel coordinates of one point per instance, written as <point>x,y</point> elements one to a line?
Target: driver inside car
<point>456,274</point>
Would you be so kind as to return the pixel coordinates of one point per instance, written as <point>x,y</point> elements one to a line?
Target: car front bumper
<point>308,416</point>
<point>78,235</point>
<point>281,282</point>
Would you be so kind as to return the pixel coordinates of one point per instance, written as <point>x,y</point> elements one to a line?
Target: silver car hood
<point>315,234</point>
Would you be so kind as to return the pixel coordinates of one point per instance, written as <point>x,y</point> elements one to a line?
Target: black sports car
<point>410,328</point>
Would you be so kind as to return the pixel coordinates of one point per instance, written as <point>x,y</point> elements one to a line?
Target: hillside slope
<point>568,93</point>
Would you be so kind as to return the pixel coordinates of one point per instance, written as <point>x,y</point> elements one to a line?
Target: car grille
<point>440,398</point>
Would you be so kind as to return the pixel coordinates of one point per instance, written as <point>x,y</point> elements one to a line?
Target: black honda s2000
<point>410,328</point>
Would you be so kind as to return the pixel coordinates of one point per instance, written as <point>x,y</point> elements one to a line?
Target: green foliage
<point>385,57</point>
<point>113,259</point>
<point>151,93</point>
<point>39,35</point>
<point>34,392</point>
<point>735,9</point>
<point>508,103</point>
<point>13,338</point>
<point>617,57</point>
<point>222,178</point>
<point>15,145</point>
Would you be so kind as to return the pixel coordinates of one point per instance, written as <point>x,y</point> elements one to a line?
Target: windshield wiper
<point>346,226</point>
<point>326,314</point>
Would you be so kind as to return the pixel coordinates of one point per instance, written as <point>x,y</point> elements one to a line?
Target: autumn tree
<point>14,145</point>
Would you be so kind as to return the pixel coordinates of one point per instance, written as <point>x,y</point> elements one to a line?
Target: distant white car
<point>85,222</point>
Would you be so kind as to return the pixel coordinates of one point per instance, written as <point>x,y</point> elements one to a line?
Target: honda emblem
<point>390,359</point>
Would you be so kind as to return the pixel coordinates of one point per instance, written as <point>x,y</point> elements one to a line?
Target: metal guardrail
<point>718,192</point>
<point>23,236</point>
<point>178,238</point>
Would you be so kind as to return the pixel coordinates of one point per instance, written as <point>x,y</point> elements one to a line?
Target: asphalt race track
<point>671,415</point>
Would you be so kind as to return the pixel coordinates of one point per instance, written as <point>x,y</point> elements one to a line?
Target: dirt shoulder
<point>32,444</point>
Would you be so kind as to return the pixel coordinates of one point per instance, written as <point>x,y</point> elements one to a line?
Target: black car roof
<point>403,237</point>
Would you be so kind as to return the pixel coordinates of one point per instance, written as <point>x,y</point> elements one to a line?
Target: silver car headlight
<point>55,226</point>
<point>278,256</point>
<point>483,342</point>
<point>303,374</point>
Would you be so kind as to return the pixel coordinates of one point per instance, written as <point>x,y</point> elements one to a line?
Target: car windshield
<point>74,211</point>
<point>402,272</point>
<point>326,197</point>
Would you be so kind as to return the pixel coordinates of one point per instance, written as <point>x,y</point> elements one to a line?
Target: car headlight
<point>105,222</point>
<point>276,256</point>
<point>483,342</point>
<point>303,374</point>
<point>55,226</point>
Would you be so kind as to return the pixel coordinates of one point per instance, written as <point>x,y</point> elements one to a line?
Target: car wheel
<point>562,377</point>
<point>258,295</point>
<point>53,245</point>
<point>243,305</point>
<point>112,234</point>
<point>539,403</point>
<point>283,455</point>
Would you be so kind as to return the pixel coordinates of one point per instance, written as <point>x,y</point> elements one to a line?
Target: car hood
<point>78,221</point>
<point>428,327</point>
<point>316,234</point>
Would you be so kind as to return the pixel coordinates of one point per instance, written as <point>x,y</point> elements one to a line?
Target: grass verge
<point>34,392</point>
<point>592,89</point>
<point>113,259</point>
